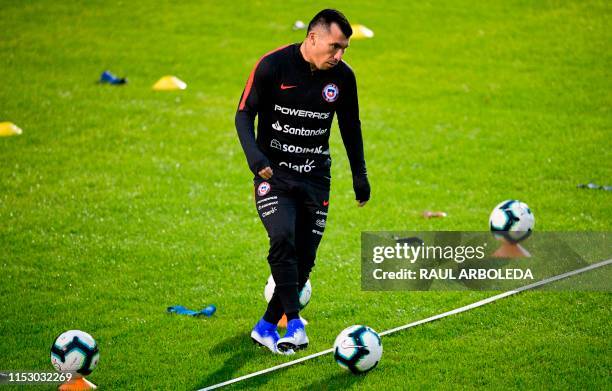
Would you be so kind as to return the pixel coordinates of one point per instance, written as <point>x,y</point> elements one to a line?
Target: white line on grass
<point>426,320</point>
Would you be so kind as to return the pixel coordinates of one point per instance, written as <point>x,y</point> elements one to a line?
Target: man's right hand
<point>361,185</point>
<point>266,173</point>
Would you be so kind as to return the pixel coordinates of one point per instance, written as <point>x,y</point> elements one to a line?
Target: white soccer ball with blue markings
<point>512,220</point>
<point>358,349</point>
<point>75,351</point>
<point>305,293</point>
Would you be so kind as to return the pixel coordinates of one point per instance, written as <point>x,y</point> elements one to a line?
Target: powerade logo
<point>298,131</point>
<point>294,148</point>
<point>301,113</point>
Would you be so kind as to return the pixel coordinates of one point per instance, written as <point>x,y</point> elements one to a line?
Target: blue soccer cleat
<point>294,339</point>
<point>107,77</point>
<point>265,334</point>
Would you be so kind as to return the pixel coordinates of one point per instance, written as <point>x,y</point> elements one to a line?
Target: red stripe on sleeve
<point>249,84</point>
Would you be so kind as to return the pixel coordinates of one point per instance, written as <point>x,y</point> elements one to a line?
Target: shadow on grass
<point>339,381</point>
<point>242,351</point>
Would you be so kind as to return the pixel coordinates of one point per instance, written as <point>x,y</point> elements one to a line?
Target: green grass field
<point>117,202</point>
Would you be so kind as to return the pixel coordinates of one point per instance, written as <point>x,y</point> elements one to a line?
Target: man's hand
<point>362,189</point>
<point>266,173</point>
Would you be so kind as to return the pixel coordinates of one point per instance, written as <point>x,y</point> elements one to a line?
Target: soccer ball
<point>75,351</point>
<point>305,293</point>
<point>512,220</point>
<point>358,349</point>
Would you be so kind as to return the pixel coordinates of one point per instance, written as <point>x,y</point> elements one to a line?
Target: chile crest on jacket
<point>331,92</point>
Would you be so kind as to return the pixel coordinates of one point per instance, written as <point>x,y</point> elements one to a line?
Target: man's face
<point>327,47</point>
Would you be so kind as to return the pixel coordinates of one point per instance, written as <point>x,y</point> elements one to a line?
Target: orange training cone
<point>511,250</point>
<point>77,384</point>
<point>283,322</point>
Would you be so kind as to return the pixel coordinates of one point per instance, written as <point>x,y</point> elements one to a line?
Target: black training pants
<point>294,211</point>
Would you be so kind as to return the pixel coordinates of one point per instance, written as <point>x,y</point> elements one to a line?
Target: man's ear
<point>312,38</point>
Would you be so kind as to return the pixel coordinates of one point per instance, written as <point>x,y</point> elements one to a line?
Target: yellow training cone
<point>361,32</point>
<point>169,83</point>
<point>9,129</point>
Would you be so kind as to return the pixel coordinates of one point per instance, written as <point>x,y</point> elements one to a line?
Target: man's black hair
<point>327,17</point>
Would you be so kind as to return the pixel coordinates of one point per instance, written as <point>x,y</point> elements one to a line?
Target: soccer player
<point>295,91</point>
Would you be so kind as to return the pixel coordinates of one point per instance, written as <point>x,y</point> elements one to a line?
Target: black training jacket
<point>295,107</point>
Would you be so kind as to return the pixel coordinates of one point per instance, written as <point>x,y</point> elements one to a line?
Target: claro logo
<point>301,113</point>
<point>306,167</point>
